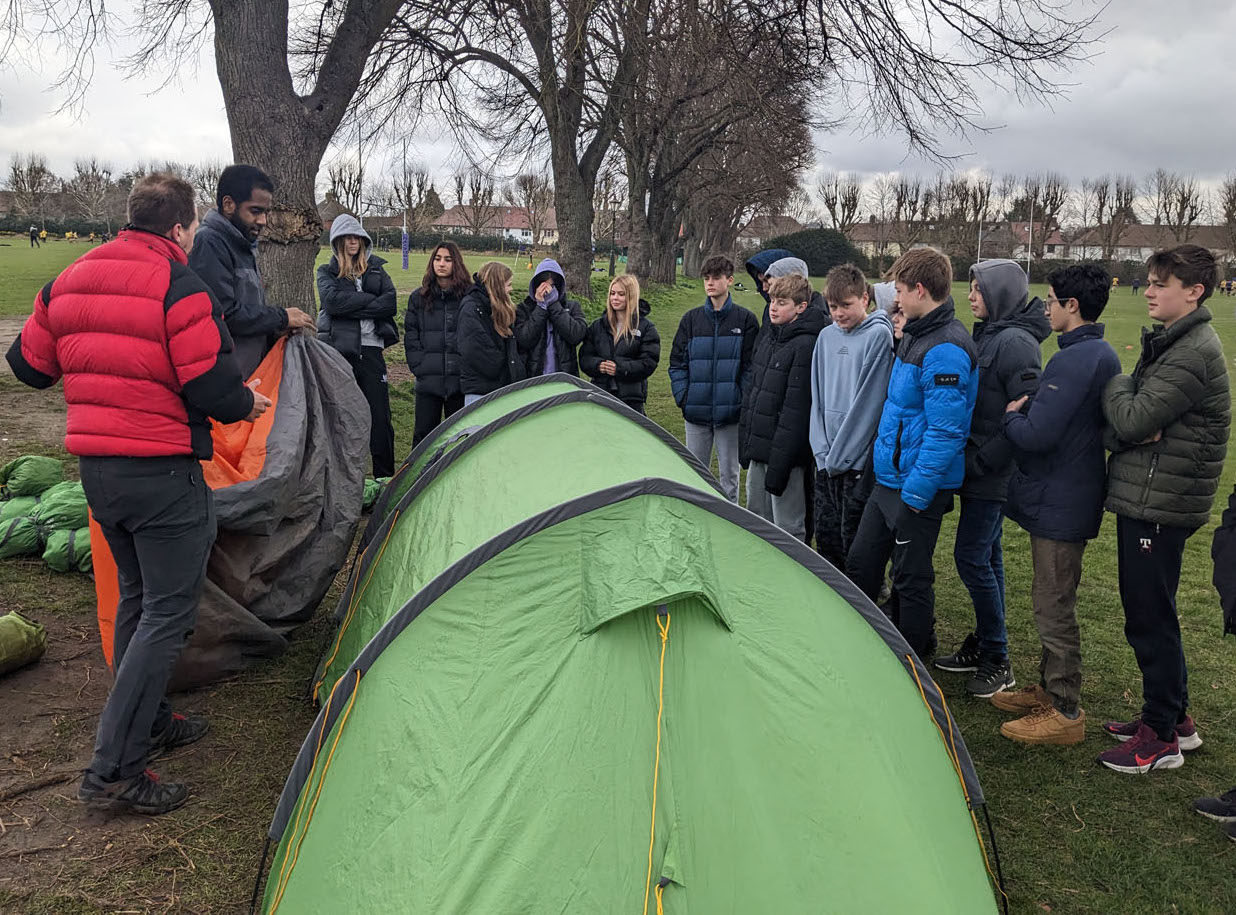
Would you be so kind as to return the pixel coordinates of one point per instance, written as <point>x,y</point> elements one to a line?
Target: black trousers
<point>431,410</point>
<point>157,515</point>
<point>889,527</point>
<point>1149,560</point>
<point>370,371</point>
<point>839,503</point>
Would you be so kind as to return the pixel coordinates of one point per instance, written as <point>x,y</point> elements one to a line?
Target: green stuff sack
<point>69,551</point>
<point>19,537</point>
<point>22,642</point>
<point>373,489</point>
<point>63,508</point>
<point>30,475</point>
<point>17,508</point>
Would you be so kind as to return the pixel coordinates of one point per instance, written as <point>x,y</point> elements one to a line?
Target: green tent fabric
<point>62,508</point>
<point>22,642</point>
<point>69,551</point>
<point>30,475</point>
<point>19,537</point>
<point>493,742</point>
<point>17,508</point>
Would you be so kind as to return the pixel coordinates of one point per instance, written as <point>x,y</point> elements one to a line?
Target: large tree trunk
<point>639,244</point>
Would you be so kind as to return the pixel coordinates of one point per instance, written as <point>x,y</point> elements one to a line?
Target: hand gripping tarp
<point>287,491</point>
<point>577,679</point>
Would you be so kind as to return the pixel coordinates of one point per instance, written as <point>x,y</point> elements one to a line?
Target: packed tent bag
<point>19,537</point>
<point>69,551</point>
<point>22,642</point>
<point>17,508</point>
<point>30,475</point>
<point>62,508</point>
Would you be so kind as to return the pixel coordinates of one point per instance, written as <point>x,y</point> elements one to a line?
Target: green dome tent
<point>578,679</point>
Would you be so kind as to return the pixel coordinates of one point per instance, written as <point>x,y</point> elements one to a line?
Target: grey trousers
<point>785,510</point>
<point>700,442</point>
<point>158,517</point>
<point>1053,595</point>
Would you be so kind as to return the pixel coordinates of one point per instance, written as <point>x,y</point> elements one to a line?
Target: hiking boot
<point>142,793</point>
<point>181,731</point>
<point>964,660</point>
<point>1023,700</point>
<point>1186,731</point>
<point>994,675</point>
<point>1221,808</point>
<point>1046,725</point>
<point>1143,753</point>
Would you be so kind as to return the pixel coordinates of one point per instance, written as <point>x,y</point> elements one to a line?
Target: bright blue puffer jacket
<point>710,362</point>
<point>921,442</point>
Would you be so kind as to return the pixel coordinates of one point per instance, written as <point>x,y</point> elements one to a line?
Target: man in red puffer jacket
<point>146,362</point>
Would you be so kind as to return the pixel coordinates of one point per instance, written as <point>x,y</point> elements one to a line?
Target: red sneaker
<point>1143,753</point>
<point>1186,731</point>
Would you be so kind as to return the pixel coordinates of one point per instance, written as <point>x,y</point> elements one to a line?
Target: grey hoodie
<point>849,383</point>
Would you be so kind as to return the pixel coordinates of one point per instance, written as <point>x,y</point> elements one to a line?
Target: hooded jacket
<point>1009,363</point>
<point>776,403</point>
<point>849,381</point>
<point>431,340</point>
<point>920,443</point>
<point>710,362</point>
<point>1179,389</point>
<point>227,262</point>
<point>345,309</point>
<point>759,263</point>
<point>1056,490</point>
<point>562,319</point>
<point>487,360</point>
<point>142,348</point>
<point>635,359</point>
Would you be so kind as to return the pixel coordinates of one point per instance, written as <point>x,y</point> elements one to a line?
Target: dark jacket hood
<point>644,308</point>
<point>1004,286</point>
<point>1031,317</point>
<point>223,226</point>
<point>550,266</point>
<point>809,323</point>
<point>759,263</point>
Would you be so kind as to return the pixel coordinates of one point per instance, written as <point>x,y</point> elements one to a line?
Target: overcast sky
<point>1157,94</point>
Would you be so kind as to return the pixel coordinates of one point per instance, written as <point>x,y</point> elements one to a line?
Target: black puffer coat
<point>487,360</point>
<point>636,359</point>
<point>431,341</point>
<point>776,403</point>
<point>343,306</point>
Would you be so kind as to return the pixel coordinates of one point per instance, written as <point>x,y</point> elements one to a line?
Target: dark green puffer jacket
<point>1179,388</point>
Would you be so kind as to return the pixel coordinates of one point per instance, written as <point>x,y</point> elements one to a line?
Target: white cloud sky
<point>1158,94</point>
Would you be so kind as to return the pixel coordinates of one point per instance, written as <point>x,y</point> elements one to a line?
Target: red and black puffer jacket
<point>142,348</point>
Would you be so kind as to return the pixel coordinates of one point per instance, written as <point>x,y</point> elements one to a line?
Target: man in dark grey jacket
<point>225,257</point>
<point>1007,333</point>
<point>1168,425</point>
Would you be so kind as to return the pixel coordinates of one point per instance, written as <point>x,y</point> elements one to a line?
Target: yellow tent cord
<point>660,892</point>
<point>663,628</point>
<point>313,805</point>
<point>950,747</point>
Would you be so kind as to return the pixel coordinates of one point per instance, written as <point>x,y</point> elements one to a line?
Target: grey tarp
<point>284,531</point>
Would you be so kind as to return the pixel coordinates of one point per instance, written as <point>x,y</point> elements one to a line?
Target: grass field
<point>1073,836</point>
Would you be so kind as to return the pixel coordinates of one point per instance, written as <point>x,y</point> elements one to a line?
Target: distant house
<point>1056,247</point>
<point>1138,242</point>
<point>330,209</point>
<point>763,228</point>
<point>509,221</point>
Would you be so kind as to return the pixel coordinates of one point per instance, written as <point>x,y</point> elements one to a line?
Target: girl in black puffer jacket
<point>622,347</point>
<point>357,319</point>
<point>430,337</point>
<point>489,358</point>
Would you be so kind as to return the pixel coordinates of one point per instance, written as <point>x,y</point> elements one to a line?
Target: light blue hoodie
<point>849,382</point>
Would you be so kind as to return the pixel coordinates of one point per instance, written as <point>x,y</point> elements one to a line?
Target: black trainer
<point>143,793</point>
<point>181,731</point>
<point>993,676</point>
<point>964,660</point>
<point>1229,829</point>
<point>1221,808</point>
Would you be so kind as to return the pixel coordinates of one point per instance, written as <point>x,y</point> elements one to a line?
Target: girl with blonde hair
<point>622,347</point>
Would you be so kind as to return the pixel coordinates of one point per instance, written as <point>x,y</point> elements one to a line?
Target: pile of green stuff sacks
<point>41,512</point>
<point>373,489</point>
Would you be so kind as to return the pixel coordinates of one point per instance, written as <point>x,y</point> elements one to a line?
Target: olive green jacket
<point>1179,389</point>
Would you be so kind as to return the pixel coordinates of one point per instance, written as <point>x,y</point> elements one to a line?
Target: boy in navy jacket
<point>919,454</point>
<point>709,367</point>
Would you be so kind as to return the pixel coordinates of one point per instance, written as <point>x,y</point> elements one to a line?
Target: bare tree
<point>346,182</point>
<point>32,182</point>
<point>1184,207</point>
<point>90,188</point>
<point>1114,200</point>
<point>909,212</point>
<point>1053,195</point>
<point>1158,190</point>
<point>881,198</point>
<point>478,200</point>
<point>406,192</point>
<point>1226,205</point>
<point>841,195</point>
<point>204,177</point>
<point>532,193</point>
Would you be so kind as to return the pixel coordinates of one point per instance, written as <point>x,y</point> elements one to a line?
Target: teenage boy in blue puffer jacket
<point>709,367</point>
<point>919,454</point>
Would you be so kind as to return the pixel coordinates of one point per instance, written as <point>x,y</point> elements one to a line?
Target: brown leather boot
<point>1023,700</point>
